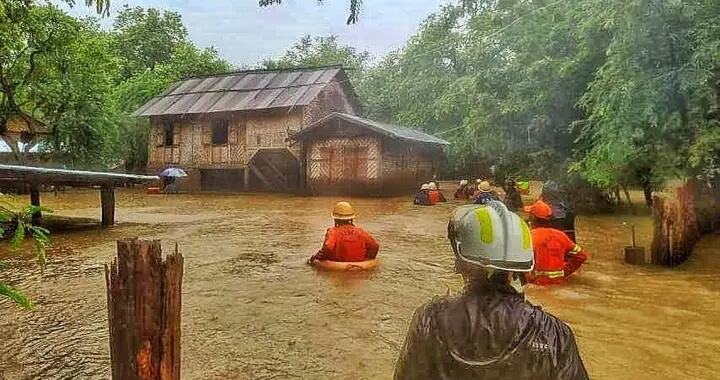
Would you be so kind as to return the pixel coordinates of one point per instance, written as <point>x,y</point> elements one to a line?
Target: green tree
<point>322,51</point>
<point>145,38</point>
<point>353,12</point>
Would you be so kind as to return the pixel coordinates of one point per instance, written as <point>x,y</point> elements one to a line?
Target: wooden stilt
<point>144,302</point>
<point>35,201</point>
<point>107,200</point>
<point>246,177</point>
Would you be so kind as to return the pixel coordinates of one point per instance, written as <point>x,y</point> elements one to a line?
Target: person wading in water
<point>489,331</point>
<point>344,242</point>
<point>556,256</point>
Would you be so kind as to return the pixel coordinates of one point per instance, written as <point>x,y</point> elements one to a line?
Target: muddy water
<point>253,310</point>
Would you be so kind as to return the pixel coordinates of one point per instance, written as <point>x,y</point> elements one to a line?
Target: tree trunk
<point>144,302</point>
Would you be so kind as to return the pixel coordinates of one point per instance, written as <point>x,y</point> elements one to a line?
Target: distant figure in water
<point>434,194</point>
<point>489,331</point>
<point>512,195</point>
<point>485,194</point>
<point>345,242</point>
<point>463,192</point>
<point>422,197</point>
<point>563,215</point>
<point>556,256</point>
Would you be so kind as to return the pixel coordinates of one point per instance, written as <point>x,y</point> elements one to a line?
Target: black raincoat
<point>488,332</point>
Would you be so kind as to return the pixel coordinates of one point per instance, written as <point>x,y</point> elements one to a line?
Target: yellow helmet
<point>343,211</point>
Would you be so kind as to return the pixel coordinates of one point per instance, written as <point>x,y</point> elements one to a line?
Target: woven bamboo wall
<point>339,160</point>
<point>332,99</point>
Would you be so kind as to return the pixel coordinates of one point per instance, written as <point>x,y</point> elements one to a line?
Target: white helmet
<point>491,236</point>
<point>432,185</point>
<point>425,186</point>
<point>464,182</point>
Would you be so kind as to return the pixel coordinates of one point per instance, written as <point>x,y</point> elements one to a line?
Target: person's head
<point>424,187</point>
<point>540,213</point>
<point>432,186</point>
<point>343,213</point>
<point>485,187</point>
<point>492,245</point>
<point>463,183</point>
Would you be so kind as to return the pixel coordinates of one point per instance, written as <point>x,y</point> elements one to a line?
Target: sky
<point>245,34</point>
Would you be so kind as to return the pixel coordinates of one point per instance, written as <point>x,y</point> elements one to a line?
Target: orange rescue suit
<point>435,197</point>
<point>347,243</point>
<point>556,256</point>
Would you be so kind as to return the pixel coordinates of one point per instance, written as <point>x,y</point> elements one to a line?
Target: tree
<point>145,38</point>
<point>322,51</point>
<point>353,16</point>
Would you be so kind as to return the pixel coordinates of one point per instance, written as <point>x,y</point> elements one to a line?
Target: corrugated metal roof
<point>240,91</point>
<point>390,130</point>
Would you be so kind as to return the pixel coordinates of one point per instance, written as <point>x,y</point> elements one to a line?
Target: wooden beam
<point>107,201</point>
<point>144,296</point>
<point>35,201</point>
<point>274,168</point>
<point>261,176</point>
<point>246,177</point>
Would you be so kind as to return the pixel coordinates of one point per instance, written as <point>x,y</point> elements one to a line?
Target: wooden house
<point>344,154</point>
<point>230,131</point>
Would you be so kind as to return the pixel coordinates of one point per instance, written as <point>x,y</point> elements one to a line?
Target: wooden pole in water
<point>107,201</point>
<point>35,201</point>
<point>144,302</point>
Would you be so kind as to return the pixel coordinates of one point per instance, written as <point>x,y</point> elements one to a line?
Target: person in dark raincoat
<point>489,331</point>
<point>422,197</point>
<point>563,216</point>
<point>512,196</point>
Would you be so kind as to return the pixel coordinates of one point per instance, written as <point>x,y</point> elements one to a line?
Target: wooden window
<point>258,139</point>
<point>168,133</point>
<point>220,132</point>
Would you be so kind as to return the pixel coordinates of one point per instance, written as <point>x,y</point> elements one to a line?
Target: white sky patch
<point>246,34</point>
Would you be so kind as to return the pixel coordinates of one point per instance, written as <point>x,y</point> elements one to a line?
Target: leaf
<point>19,235</point>
<point>16,296</point>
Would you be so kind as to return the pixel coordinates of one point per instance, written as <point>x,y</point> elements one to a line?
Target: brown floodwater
<point>253,310</point>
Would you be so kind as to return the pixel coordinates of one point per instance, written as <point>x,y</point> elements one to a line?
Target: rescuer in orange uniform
<point>345,242</point>
<point>556,256</point>
<point>434,195</point>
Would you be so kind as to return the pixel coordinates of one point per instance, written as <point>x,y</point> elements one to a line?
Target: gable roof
<point>389,130</point>
<point>242,91</point>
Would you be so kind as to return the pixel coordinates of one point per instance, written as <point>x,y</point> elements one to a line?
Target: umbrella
<point>173,172</point>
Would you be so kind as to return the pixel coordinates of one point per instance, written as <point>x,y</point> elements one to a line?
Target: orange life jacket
<point>348,243</point>
<point>434,196</point>
<point>556,256</point>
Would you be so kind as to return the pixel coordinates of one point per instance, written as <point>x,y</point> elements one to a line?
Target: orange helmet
<point>539,209</point>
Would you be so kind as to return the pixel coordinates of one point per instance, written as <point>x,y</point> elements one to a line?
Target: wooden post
<point>35,201</point>
<point>144,301</point>
<point>246,177</point>
<point>107,200</point>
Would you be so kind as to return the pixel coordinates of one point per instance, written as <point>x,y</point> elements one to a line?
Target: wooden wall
<point>334,98</point>
<point>367,166</point>
<point>338,160</point>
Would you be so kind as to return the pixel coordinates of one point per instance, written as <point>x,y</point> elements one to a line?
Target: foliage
<point>353,13</point>
<point>322,51</point>
<point>21,221</point>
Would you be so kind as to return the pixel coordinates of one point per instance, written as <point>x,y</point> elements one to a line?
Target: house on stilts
<point>245,130</point>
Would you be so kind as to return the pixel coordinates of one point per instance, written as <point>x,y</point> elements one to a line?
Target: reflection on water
<point>252,308</point>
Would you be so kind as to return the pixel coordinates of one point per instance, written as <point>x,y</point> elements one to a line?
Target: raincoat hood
<point>488,333</point>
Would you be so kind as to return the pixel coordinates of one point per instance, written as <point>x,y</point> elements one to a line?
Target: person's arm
<point>328,247</point>
<point>371,246</point>
<point>416,360</point>
<point>574,258</point>
<point>570,365</point>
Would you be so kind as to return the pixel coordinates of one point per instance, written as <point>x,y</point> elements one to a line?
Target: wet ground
<point>253,310</point>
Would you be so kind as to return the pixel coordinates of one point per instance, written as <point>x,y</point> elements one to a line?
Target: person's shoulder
<point>548,322</point>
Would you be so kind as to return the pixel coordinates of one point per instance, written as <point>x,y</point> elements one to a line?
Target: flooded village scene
<point>359,189</point>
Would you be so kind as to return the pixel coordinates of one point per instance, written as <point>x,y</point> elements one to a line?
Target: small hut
<point>344,154</point>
